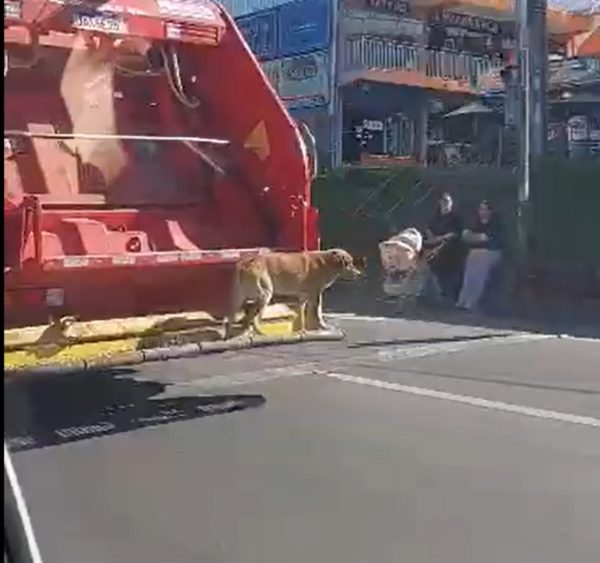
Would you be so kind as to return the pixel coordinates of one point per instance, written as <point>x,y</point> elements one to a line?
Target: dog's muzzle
<point>352,274</point>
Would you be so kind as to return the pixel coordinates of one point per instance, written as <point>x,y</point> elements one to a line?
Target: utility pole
<point>523,121</point>
<point>538,76</point>
<point>532,48</point>
<point>335,111</point>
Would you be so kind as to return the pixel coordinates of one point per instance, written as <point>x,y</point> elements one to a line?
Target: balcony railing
<point>574,72</point>
<point>364,52</point>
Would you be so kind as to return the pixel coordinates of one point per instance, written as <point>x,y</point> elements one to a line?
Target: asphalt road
<point>410,442</point>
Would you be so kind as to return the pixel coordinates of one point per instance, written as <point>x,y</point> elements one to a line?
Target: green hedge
<point>361,206</point>
<point>565,212</point>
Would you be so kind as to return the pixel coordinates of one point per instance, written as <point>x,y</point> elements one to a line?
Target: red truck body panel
<point>101,225</point>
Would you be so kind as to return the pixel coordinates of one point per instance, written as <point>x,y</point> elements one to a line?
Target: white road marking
<point>31,549</point>
<point>398,320</point>
<point>376,319</point>
<point>579,338</point>
<point>366,318</point>
<point>468,400</point>
<point>311,368</point>
<point>404,352</point>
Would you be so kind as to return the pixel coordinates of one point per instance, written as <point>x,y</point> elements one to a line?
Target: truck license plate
<point>94,21</point>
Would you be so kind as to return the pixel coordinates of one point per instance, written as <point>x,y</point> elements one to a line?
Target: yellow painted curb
<point>95,341</point>
<point>92,331</point>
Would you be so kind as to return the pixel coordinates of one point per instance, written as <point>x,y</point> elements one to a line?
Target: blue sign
<point>304,26</point>
<point>291,29</point>
<point>260,32</point>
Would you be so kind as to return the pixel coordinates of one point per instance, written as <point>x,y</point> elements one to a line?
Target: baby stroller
<point>406,267</point>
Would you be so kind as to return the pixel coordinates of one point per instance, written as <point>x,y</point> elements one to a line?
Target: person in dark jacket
<point>446,228</point>
<point>485,241</point>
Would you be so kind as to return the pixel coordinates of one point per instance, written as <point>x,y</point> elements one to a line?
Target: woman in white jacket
<point>485,241</point>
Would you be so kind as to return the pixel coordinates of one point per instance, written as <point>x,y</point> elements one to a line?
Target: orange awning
<point>563,23</point>
<point>591,46</point>
<point>559,22</point>
<point>402,77</point>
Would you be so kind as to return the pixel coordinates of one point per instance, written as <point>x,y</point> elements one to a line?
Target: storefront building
<point>375,80</point>
<point>405,66</point>
<point>574,108</point>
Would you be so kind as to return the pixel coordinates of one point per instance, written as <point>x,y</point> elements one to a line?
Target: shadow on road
<point>55,410</point>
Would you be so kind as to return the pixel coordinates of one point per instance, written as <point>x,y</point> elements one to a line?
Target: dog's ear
<point>360,262</point>
<point>340,257</point>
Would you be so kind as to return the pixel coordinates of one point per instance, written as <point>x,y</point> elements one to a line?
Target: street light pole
<point>538,71</point>
<point>523,124</point>
<point>523,121</point>
<point>532,50</point>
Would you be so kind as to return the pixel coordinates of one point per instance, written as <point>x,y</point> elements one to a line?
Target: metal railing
<point>574,72</point>
<point>365,52</point>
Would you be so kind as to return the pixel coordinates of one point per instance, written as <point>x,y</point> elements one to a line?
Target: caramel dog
<point>301,275</point>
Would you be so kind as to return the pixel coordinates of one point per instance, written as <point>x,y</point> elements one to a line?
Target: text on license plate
<point>99,22</point>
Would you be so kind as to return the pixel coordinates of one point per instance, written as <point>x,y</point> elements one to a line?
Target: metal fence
<point>364,52</point>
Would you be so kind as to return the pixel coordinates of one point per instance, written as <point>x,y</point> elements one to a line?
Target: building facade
<point>295,43</point>
<point>382,80</point>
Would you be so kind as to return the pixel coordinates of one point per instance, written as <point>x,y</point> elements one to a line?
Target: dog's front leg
<point>316,307</point>
<point>236,304</point>
<point>302,313</point>
<point>319,311</point>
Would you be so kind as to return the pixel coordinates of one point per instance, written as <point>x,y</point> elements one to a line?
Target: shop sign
<point>303,81</point>
<point>304,26</point>
<point>555,131</point>
<point>467,21</point>
<point>391,6</point>
<point>578,128</point>
<point>372,124</point>
<point>293,28</point>
<point>260,32</point>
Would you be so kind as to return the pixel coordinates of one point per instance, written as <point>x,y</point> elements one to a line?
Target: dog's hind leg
<point>235,308</point>
<point>237,303</point>
<point>251,311</point>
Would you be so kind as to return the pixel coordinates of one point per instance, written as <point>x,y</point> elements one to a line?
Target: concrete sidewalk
<point>577,318</point>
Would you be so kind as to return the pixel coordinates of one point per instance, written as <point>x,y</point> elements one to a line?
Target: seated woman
<point>485,241</point>
<point>447,266</point>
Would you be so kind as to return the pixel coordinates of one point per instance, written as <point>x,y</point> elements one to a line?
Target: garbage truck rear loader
<point>145,153</point>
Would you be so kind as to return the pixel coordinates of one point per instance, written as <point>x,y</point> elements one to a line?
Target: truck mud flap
<point>69,345</point>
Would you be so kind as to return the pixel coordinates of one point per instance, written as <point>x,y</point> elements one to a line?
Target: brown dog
<point>302,275</point>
